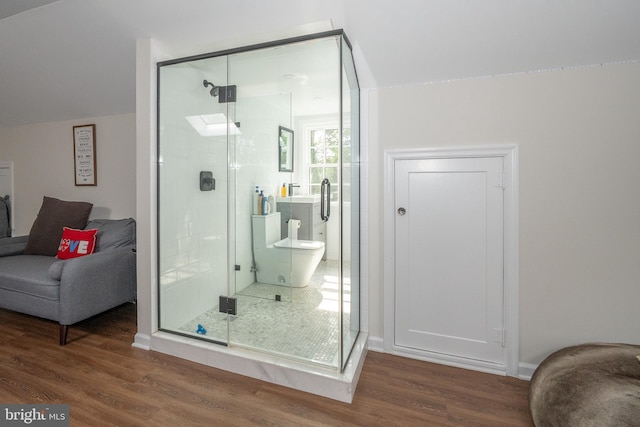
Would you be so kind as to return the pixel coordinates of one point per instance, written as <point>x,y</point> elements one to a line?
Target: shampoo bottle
<point>265,205</point>
<point>260,201</point>
<point>272,204</point>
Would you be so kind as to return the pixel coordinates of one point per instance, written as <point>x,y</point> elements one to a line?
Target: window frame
<point>306,126</point>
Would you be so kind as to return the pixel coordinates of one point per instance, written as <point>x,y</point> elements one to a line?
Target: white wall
<point>148,53</point>
<point>42,156</point>
<point>579,145</point>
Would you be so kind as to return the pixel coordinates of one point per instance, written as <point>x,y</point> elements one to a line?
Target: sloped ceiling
<point>14,7</point>
<point>68,59</point>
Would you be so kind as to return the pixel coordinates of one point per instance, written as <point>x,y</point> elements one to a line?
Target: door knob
<point>401,211</point>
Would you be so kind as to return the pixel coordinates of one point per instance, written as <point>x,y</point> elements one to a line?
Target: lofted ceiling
<point>69,59</point>
<point>14,7</point>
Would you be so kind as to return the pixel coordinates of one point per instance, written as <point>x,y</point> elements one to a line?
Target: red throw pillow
<point>76,243</point>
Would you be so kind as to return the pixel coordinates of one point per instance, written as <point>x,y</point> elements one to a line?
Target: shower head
<point>214,88</point>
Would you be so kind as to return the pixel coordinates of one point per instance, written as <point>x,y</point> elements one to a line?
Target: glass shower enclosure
<point>259,198</point>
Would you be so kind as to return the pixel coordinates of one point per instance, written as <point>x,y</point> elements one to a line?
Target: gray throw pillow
<point>46,231</point>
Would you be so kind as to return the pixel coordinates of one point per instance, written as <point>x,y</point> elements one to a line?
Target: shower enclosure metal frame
<point>348,94</point>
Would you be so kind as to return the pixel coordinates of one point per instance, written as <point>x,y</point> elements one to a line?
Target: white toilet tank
<point>266,229</point>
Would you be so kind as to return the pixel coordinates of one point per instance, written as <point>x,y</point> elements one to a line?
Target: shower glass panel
<point>350,192</point>
<point>279,277</point>
<point>193,140</point>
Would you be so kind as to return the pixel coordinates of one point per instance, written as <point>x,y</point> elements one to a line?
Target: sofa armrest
<point>95,283</point>
<point>13,245</point>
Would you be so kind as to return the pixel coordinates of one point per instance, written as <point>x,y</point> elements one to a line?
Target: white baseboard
<point>376,344</point>
<point>142,341</point>
<point>526,370</point>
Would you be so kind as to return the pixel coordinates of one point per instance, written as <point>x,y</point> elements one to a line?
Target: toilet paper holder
<point>292,228</point>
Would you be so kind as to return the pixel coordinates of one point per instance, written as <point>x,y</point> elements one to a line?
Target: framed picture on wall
<point>285,149</point>
<point>84,154</point>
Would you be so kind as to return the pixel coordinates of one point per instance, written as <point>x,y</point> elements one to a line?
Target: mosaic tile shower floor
<point>304,324</point>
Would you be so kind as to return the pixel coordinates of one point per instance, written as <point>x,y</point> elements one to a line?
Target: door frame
<point>509,153</point>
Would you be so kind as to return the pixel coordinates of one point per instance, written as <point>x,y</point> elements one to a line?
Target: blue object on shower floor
<point>201,330</point>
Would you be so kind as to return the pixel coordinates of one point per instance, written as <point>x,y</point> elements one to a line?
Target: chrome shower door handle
<point>325,198</point>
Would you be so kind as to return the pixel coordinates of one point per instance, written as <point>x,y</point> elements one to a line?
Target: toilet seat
<point>298,244</point>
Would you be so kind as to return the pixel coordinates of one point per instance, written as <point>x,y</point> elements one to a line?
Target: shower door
<point>266,317</point>
<point>295,87</point>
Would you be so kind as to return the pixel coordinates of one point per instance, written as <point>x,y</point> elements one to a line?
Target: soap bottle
<point>260,203</point>
<point>283,190</point>
<point>272,204</point>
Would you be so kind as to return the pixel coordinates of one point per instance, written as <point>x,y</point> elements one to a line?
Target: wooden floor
<point>107,382</point>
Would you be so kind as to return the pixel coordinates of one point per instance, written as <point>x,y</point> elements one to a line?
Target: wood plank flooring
<point>107,382</point>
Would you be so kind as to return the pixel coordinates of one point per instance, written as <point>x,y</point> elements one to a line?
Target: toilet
<point>287,262</point>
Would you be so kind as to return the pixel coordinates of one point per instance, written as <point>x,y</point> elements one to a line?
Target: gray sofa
<point>71,290</point>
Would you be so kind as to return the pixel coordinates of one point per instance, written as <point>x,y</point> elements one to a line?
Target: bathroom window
<point>324,157</point>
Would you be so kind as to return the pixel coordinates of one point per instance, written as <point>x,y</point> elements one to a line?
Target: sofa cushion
<point>114,233</point>
<point>76,243</point>
<point>29,274</point>
<point>45,234</point>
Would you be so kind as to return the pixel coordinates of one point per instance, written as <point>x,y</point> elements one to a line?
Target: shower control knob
<point>401,211</point>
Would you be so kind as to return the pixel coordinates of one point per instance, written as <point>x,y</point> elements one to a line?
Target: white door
<point>449,257</point>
